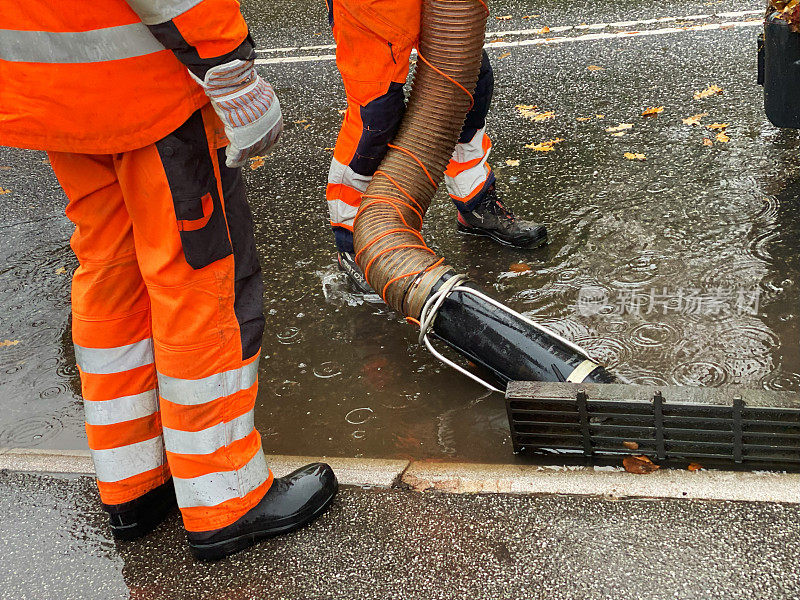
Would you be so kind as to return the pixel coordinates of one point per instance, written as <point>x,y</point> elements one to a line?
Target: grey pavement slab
<point>401,544</point>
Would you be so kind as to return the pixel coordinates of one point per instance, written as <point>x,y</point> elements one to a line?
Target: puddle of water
<point>681,269</point>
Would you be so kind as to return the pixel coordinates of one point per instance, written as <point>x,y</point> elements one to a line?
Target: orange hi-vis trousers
<point>167,320</point>
<point>374,41</point>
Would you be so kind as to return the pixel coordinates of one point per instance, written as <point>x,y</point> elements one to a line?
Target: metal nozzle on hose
<point>389,246</point>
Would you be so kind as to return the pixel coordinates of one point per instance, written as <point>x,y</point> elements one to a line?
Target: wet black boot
<point>348,266</point>
<point>290,503</point>
<point>491,218</point>
<point>131,520</point>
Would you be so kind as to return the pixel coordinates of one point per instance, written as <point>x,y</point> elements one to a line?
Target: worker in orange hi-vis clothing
<point>148,109</point>
<point>374,40</point>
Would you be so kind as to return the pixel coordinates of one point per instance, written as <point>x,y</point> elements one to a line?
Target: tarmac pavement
<point>387,544</point>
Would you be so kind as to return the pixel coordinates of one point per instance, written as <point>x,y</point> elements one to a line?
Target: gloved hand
<point>248,108</point>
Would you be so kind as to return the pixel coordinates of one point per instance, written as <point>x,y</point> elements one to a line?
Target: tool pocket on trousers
<point>199,215</point>
<point>202,227</point>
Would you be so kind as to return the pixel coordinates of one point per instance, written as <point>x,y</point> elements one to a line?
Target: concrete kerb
<point>468,478</point>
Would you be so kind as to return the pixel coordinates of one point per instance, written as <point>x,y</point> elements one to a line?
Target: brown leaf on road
<point>652,111</point>
<point>256,162</point>
<point>639,465</point>
<point>694,467</point>
<point>631,445</point>
<point>544,146</point>
<point>4,168</point>
<point>694,119</point>
<point>711,90</point>
<point>632,156</point>
<point>519,267</point>
<point>620,127</point>
<point>505,55</point>
<point>707,142</point>
<point>595,68</point>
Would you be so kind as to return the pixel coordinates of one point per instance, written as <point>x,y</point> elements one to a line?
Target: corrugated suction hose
<point>389,247</point>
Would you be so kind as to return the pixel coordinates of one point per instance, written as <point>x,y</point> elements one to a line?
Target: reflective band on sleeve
<point>119,410</point>
<point>190,392</point>
<point>210,439</point>
<point>153,12</point>
<point>116,464</point>
<point>582,371</point>
<point>96,45</point>
<point>103,361</point>
<point>215,488</point>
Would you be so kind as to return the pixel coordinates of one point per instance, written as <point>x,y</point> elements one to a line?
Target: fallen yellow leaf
<point>600,116</point>
<point>300,121</point>
<point>505,55</point>
<point>544,29</point>
<point>694,119</point>
<point>583,118</point>
<point>632,156</point>
<point>530,16</point>
<point>256,162</point>
<point>4,168</point>
<point>618,134</point>
<point>711,90</point>
<point>512,162</point>
<point>61,270</point>
<point>707,142</point>
<point>620,127</point>
<point>5,343</point>
<point>504,18</point>
<point>717,126</point>
<point>529,111</point>
<point>595,68</point>
<point>721,137</point>
<point>4,191</point>
<point>544,146</point>
<point>652,111</point>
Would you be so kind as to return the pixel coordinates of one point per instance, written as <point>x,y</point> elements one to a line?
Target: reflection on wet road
<point>678,269</point>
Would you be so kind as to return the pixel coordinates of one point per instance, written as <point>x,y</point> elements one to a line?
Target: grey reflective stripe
<point>102,361</point>
<point>153,12</point>
<point>119,410</point>
<point>96,45</point>
<point>210,439</point>
<point>190,392</point>
<point>215,488</point>
<point>116,464</point>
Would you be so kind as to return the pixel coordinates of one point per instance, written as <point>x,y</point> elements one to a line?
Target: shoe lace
<point>496,206</point>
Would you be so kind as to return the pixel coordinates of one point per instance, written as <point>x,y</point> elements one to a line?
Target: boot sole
<point>537,243</point>
<point>219,550</point>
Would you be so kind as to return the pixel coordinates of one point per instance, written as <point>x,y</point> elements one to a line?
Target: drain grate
<point>721,427</point>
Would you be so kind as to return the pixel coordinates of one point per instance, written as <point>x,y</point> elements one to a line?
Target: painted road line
<point>550,40</point>
<point>469,478</point>
<point>556,29</point>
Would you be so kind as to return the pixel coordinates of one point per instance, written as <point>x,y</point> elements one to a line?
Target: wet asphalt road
<point>344,378</point>
<point>393,544</point>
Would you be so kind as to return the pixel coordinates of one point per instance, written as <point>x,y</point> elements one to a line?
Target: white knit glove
<point>248,108</point>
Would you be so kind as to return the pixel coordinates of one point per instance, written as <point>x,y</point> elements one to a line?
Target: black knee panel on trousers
<point>484,89</point>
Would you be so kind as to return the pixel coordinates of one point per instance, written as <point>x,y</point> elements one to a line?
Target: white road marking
<point>557,29</point>
<point>542,41</point>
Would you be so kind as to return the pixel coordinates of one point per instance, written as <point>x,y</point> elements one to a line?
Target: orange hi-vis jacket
<point>104,76</point>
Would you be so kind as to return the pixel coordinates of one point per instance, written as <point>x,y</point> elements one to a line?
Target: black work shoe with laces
<point>492,218</point>
<point>290,503</point>
<point>132,520</point>
<point>348,266</point>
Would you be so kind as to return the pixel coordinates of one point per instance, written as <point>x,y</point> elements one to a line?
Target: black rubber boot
<point>290,503</point>
<point>348,266</point>
<point>491,218</point>
<point>131,520</point>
